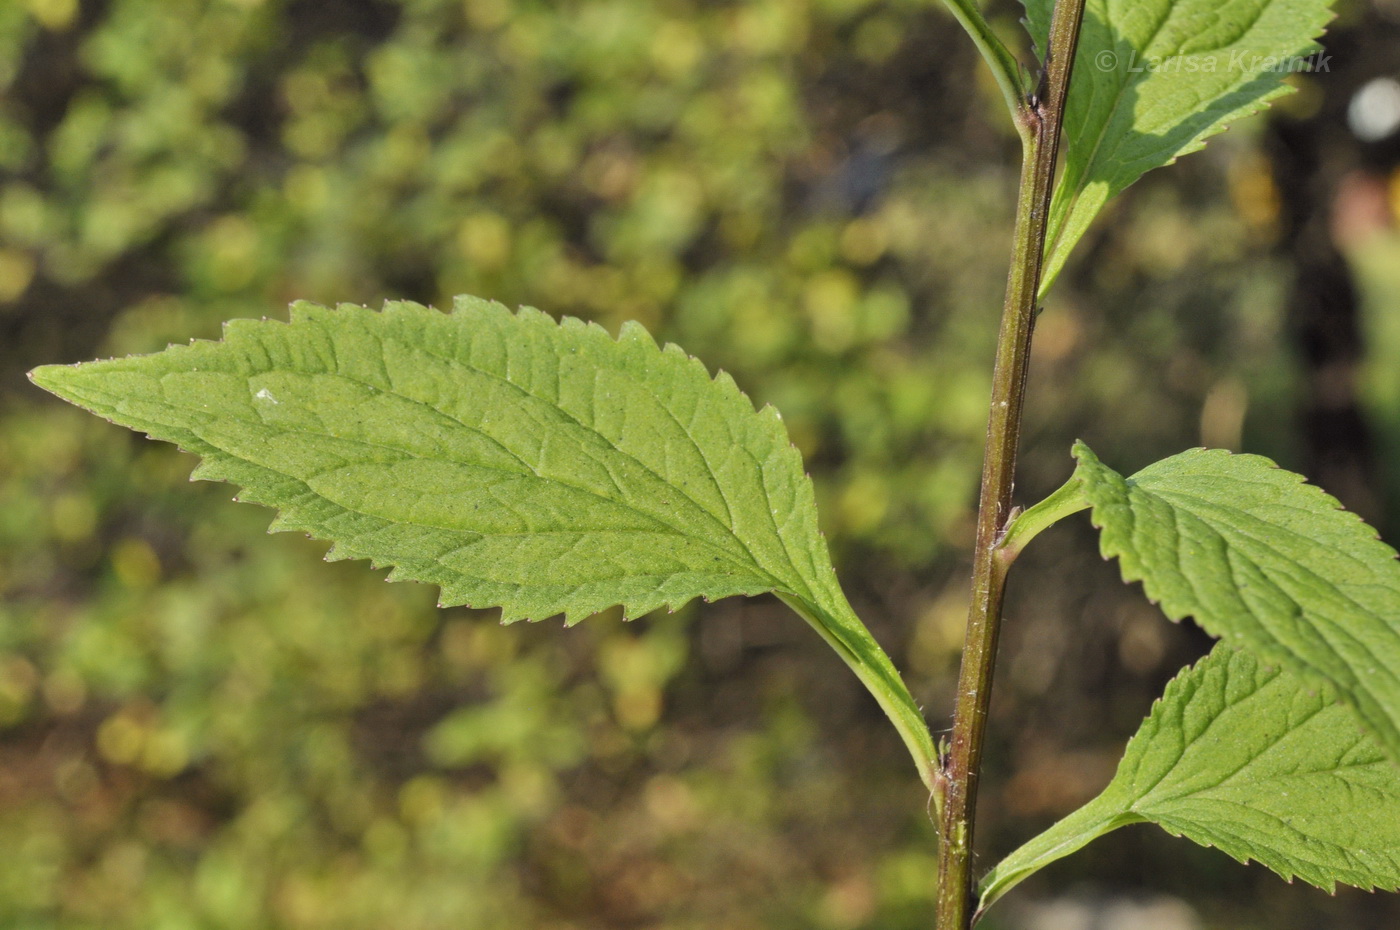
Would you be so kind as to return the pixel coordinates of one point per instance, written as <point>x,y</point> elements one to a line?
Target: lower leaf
<point>1264,560</point>
<point>1254,761</point>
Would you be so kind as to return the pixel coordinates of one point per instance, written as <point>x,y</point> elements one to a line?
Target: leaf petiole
<point>1068,500</point>
<point>1009,74</point>
<point>880,678</point>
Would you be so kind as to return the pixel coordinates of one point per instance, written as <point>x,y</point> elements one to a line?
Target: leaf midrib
<point>753,569</point>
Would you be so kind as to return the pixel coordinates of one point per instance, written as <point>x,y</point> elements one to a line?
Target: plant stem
<point>1039,117</point>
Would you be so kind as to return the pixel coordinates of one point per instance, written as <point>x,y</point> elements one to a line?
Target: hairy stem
<point>1039,117</point>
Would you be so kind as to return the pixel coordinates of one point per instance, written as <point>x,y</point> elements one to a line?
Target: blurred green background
<point>202,726</point>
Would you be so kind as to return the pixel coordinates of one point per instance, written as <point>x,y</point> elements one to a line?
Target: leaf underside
<point>1254,761</point>
<point>1153,79</point>
<point>540,467</point>
<point>1266,561</point>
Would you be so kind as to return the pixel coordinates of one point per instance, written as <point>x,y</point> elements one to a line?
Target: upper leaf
<point>1256,555</point>
<point>1252,760</point>
<point>1153,79</point>
<point>543,468</point>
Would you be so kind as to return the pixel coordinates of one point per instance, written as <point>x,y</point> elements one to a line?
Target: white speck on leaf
<point>265,394</point>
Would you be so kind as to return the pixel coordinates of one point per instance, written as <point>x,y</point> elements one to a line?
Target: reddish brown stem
<point>1039,120</point>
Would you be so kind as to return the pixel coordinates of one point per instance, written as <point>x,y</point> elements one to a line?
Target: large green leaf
<point>543,468</point>
<point>1253,760</point>
<point>1153,79</point>
<point>1264,560</point>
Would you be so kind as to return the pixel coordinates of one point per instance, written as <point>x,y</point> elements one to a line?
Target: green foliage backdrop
<point>205,727</point>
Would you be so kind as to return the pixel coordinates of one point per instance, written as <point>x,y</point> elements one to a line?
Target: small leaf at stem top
<point>1153,79</point>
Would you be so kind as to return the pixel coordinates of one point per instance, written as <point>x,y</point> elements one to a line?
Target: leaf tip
<point>56,379</point>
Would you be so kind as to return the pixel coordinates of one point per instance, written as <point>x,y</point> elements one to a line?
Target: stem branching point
<point>1039,118</point>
